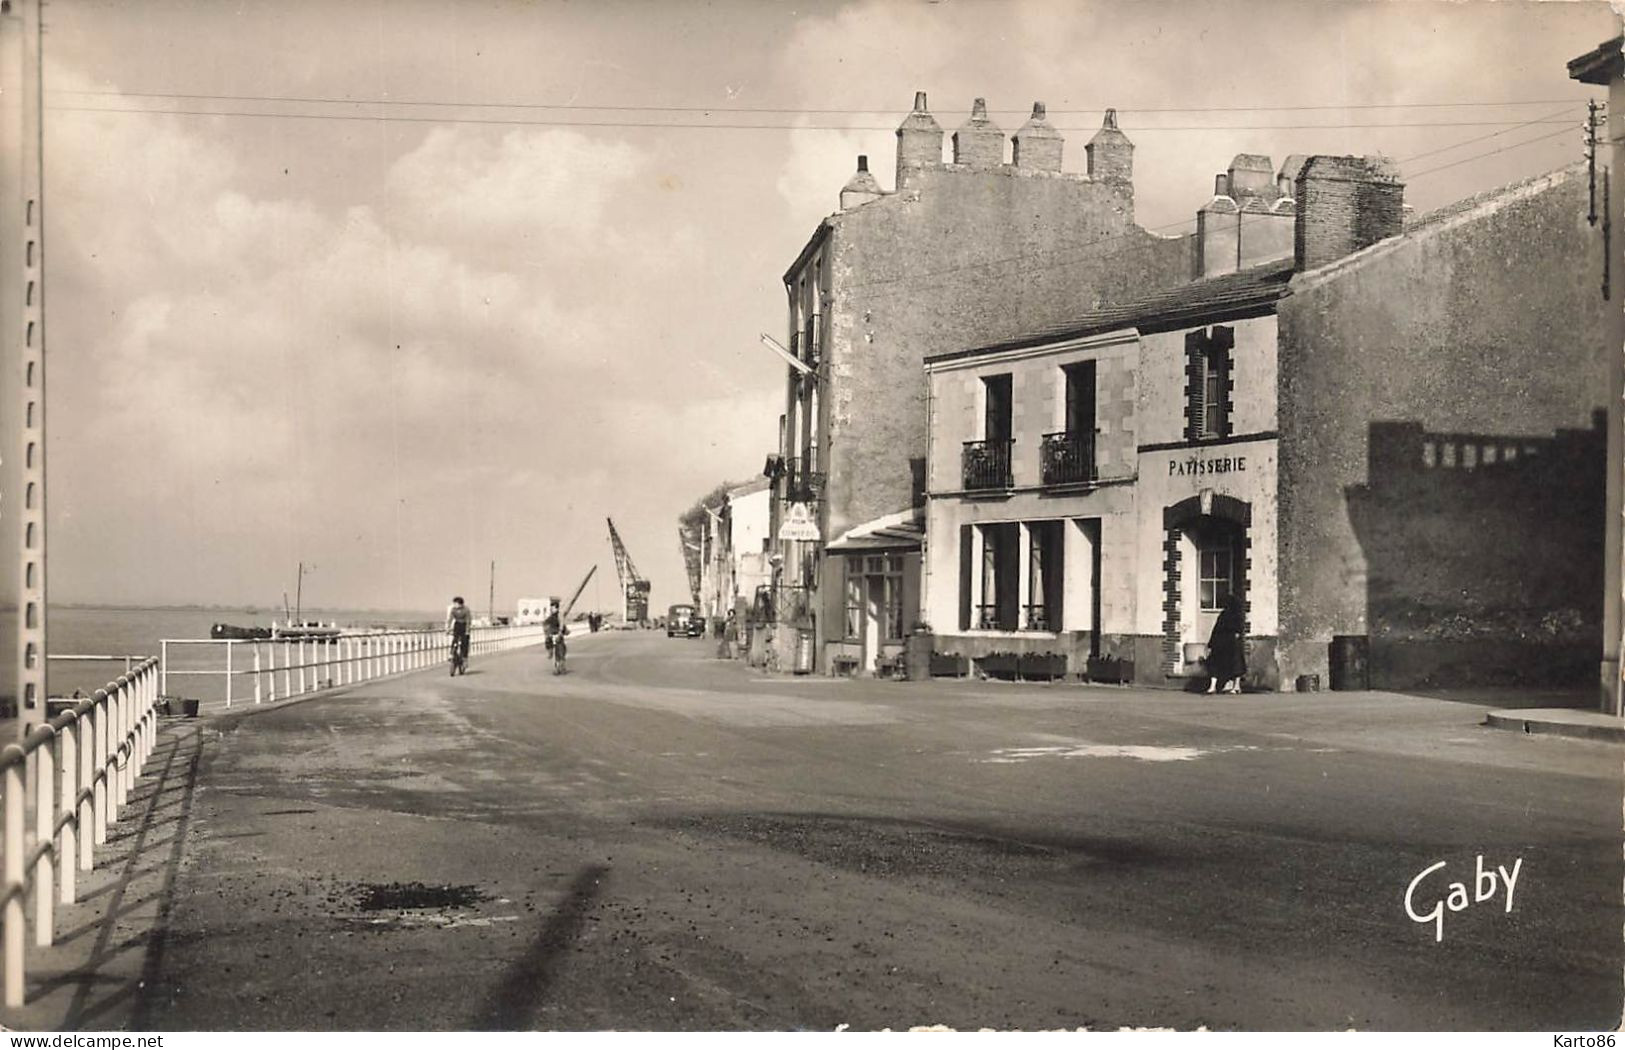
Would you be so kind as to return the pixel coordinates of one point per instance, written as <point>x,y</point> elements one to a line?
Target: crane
<point>565,615</point>
<point>634,588</point>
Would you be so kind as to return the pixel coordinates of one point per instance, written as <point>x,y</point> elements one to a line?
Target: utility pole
<point>491,601</point>
<point>1591,161</point>
<point>22,313</point>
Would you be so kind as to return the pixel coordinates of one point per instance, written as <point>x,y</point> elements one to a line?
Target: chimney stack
<point>861,188</point>
<point>1344,204</point>
<point>1037,146</point>
<point>979,143</point>
<point>919,142</point>
<point>1111,154</point>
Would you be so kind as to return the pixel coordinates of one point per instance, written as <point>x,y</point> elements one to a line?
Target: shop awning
<point>904,531</point>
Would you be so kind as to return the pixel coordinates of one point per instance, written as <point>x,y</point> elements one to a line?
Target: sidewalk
<point>111,940</point>
<point>1555,712</point>
<point>1559,721</point>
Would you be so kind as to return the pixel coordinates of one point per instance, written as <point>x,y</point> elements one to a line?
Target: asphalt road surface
<point>663,840</point>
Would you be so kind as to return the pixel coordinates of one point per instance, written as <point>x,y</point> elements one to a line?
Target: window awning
<point>895,532</point>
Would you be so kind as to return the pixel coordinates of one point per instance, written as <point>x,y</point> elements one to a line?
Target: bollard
<point>98,791</point>
<point>11,917</point>
<point>45,838</point>
<point>85,793</point>
<point>67,852</point>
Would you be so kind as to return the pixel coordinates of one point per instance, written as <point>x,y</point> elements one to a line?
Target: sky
<point>399,289</point>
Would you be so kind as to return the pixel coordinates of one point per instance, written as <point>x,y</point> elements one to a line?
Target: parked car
<point>684,620</point>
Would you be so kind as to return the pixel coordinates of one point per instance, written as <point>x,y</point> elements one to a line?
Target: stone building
<point>961,252</point>
<point>1605,66</point>
<point>1385,441</point>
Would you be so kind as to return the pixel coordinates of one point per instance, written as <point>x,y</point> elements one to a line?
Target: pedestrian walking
<point>1227,648</point>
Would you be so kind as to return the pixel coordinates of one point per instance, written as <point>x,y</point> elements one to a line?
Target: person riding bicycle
<point>458,619</point>
<point>556,630</point>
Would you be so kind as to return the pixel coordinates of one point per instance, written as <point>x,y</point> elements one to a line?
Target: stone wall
<point>1480,328</point>
<point>961,259</point>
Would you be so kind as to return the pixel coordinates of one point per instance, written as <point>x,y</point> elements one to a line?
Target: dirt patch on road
<point>889,847</point>
<point>400,896</point>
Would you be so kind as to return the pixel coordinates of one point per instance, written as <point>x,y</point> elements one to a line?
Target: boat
<point>235,633</point>
<point>309,631</point>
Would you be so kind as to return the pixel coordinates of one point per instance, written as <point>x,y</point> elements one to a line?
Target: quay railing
<point>281,668</point>
<point>71,775</point>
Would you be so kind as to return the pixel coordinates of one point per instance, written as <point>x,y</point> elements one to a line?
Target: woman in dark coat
<point>1227,648</point>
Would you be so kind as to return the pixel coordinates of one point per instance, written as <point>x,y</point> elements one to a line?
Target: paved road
<point>661,840</point>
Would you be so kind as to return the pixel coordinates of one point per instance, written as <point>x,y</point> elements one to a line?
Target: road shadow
<point>513,1006</point>
<point>141,847</point>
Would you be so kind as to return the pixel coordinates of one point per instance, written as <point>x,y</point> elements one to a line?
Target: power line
<point>323,100</point>
<point>1491,135</point>
<point>718,126</point>
<point>1489,153</point>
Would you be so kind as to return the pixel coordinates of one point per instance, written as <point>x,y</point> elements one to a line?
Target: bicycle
<point>558,653</point>
<point>459,655</point>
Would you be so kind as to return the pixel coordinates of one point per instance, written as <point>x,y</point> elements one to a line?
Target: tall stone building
<point>1386,443</point>
<point>960,252</point>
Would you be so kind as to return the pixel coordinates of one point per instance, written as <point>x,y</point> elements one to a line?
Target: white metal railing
<point>73,773</point>
<point>280,668</point>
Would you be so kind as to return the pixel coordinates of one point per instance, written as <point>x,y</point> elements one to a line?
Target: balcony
<point>802,484</point>
<point>987,464</point>
<point>1068,459</point>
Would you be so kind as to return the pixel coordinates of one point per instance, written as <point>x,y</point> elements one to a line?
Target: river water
<point>124,631</point>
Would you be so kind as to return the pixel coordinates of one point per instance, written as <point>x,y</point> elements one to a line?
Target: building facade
<point>960,252</point>
<point>1605,66</point>
<point>1383,442</point>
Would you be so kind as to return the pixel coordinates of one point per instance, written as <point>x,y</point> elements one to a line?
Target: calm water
<point>137,632</point>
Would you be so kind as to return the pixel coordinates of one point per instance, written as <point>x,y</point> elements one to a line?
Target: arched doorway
<point>1206,558</point>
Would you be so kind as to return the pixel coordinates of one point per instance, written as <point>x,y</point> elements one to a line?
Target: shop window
<point>1045,576</point>
<point>892,610</point>
<point>854,600</point>
<point>877,579</point>
<point>1217,575</point>
<point>1000,578</point>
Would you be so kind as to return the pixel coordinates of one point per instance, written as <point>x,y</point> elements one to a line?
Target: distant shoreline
<point>119,607</point>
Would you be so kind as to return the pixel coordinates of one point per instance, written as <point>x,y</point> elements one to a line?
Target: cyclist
<point>556,630</point>
<point>458,619</point>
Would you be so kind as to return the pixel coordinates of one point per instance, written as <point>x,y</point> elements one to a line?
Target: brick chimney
<point>1111,154</point>
<point>919,141</point>
<point>1344,204</point>
<point>861,188</point>
<point>979,143</point>
<point>1037,146</point>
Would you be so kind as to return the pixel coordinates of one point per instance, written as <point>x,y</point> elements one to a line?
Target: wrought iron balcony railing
<point>1068,458</point>
<point>1038,618</point>
<point>987,464</point>
<point>801,483</point>
<point>987,618</point>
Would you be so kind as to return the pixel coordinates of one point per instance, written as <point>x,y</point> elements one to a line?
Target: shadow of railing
<point>107,987</point>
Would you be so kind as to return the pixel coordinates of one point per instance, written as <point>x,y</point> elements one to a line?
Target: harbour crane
<point>634,588</point>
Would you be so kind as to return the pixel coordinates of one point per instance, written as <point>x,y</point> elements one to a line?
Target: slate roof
<point>1232,296</point>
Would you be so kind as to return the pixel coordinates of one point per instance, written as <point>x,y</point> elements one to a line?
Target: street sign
<point>799,523</point>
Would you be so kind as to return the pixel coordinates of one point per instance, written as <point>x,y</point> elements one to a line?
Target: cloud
<point>300,376</point>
